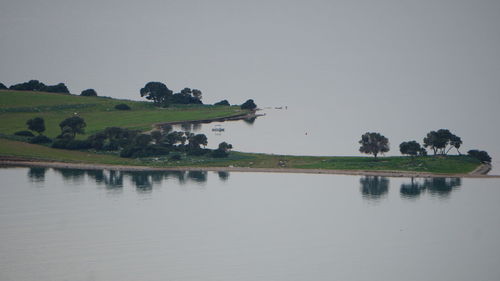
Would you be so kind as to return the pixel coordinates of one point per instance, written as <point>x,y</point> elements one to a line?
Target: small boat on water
<point>218,128</point>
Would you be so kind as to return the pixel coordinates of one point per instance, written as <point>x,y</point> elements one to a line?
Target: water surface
<point>64,224</point>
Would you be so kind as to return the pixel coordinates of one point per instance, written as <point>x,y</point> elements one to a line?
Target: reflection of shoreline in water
<point>374,187</point>
<point>144,181</point>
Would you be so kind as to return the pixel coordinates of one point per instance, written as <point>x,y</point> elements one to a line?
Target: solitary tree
<point>224,146</point>
<point>89,93</point>
<point>72,126</point>
<point>36,124</point>
<point>157,92</point>
<point>373,143</point>
<point>249,104</point>
<point>411,148</point>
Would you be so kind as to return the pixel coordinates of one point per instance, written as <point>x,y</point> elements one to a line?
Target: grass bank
<point>427,164</point>
<point>16,107</point>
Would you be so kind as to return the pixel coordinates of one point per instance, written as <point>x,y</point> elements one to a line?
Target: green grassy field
<point>99,113</point>
<point>17,106</point>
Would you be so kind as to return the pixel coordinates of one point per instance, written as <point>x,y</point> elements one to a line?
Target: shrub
<point>249,104</point>
<point>197,151</point>
<point>175,157</point>
<point>24,134</point>
<point>89,93</point>
<point>219,153</point>
<point>481,155</point>
<point>78,144</point>
<point>222,102</point>
<point>122,106</point>
<point>135,151</point>
<point>60,143</point>
<point>40,139</point>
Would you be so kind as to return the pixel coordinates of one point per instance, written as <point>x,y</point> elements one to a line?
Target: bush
<point>122,106</point>
<point>24,134</point>
<point>89,93</point>
<point>175,157</point>
<point>222,102</point>
<point>481,155</point>
<point>40,139</point>
<point>197,151</point>
<point>135,151</point>
<point>219,153</point>
<point>60,143</point>
<point>249,104</point>
<point>78,144</point>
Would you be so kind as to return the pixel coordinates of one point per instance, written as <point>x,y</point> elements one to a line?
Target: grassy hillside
<point>18,106</point>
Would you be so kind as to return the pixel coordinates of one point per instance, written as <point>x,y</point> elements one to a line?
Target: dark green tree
<point>439,140</point>
<point>373,143</point>
<point>224,146</point>
<point>197,94</point>
<point>3,87</point>
<point>72,126</point>
<point>157,92</point>
<point>481,155</point>
<point>36,124</point>
<point>157,136</point>
<point>411,148</point>
<point>89,93</point>
<point>249,104</point>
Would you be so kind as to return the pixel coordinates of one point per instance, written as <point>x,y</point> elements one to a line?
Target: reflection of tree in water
<point>37,174</point>
<point>196,127</point>
<point>186,127</point>
<point>74,175</point>
<point>441,187</point>
<point>142,180</point>
<point>198,176</point>
<point>373,187</point>
<point>223,176</point>
<point>250,121</point>
<point>411,190</point>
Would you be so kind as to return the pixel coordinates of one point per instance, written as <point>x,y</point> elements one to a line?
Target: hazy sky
<point>395,66</point>
<point>273,51</point>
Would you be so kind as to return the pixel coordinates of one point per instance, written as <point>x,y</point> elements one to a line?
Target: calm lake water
<point>64,224</point>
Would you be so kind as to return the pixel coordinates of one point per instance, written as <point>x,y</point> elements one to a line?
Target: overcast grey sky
<point>273,51</point>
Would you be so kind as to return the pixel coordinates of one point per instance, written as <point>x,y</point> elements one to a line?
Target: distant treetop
<point>249,104</point>
<point>222,102</point>
<point>35,85</point>
<point>89,93</point>
<point>3,87</point>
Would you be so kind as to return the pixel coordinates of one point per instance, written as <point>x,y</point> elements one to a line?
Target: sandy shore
<point>17,162</point>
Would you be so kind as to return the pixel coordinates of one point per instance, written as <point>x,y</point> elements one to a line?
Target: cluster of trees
<point>161,95</point>
<point>35,85</point>
<point>440,142</point>
<point>129,143</point>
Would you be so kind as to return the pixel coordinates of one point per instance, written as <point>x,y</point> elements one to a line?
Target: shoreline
<point>21,162</point>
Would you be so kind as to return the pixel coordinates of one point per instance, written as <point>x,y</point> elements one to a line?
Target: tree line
<point>440,142</point>
<point>127,143</point>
